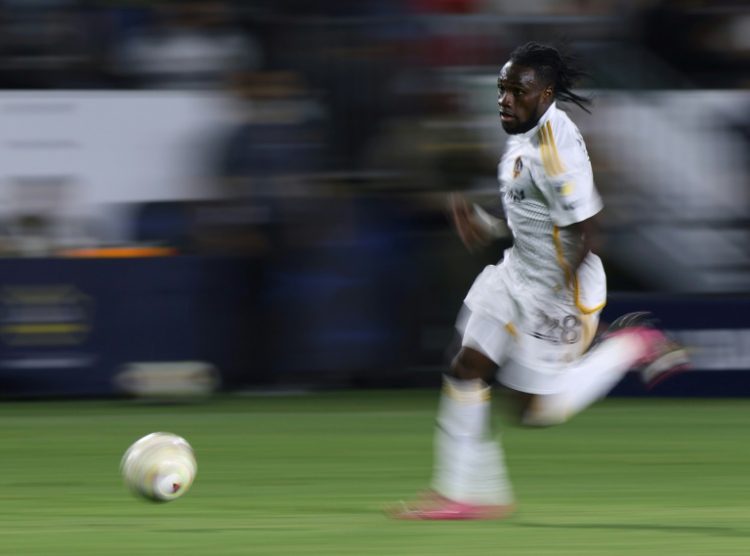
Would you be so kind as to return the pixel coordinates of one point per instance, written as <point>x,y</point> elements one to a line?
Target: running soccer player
<point>534,314</point>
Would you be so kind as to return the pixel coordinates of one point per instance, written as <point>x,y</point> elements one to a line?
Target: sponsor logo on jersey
<point>517,167</point>
<point>566,188</point>
<point>515,195</point>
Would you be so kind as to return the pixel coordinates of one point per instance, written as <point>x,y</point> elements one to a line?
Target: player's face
<point>521,97</point>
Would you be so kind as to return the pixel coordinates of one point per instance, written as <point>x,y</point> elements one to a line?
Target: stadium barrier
<point>716,330</point>
<point>69,327</point>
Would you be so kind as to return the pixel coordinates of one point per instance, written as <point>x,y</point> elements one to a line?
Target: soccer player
<point>534,314</point>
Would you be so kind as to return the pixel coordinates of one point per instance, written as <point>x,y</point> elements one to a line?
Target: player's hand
<point>471,232</point>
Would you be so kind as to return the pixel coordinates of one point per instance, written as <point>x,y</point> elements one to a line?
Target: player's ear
<point>548,92</point>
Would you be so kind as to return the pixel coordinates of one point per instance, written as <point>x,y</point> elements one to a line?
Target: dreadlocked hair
<point>558,69</point>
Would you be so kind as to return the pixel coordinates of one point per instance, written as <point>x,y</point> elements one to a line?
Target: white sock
<point>492,485</point>
<point>469,466</point>
<point>587,380</point>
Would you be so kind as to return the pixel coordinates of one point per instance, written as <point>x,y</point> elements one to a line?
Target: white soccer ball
<point>160,466</point>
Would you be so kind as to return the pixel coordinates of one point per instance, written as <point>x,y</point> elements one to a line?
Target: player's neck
<point>542,120</point>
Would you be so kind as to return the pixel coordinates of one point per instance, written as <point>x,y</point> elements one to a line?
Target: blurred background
<point>201,195</point>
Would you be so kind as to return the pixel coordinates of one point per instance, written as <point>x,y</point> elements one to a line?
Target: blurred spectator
<point>705,40</point>
<point>196,44</point>
<point>434,149</point>
<point>268,154</point>
<point>46,45</point>
<point>415,164</point>
<point>349,52</point>
<point>263,166</point>
<point>445,6</point>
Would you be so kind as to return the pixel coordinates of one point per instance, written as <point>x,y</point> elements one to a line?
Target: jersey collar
<point>543,120</point>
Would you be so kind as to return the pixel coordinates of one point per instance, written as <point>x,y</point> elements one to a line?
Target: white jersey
<point>529,313</point>
<point>546,184</point>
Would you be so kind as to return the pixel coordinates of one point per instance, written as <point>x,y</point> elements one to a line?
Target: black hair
<point>559,69</point>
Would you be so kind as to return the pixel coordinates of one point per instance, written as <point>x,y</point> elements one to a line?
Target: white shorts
<point>532,335</point>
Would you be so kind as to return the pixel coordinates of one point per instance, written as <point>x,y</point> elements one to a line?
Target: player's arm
<point>475,226</point>
<point>589,231</point>
<point>566,180</point>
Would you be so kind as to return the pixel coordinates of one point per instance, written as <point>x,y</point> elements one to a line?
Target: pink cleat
<point>439,508</point>
<point>663,357</point>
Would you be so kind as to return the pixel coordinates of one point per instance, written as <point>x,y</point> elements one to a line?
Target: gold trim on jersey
<point>588,324</point>
<point>476,394</point>
<point>553,166</point>
<point>570,277</point>
<point>511,329</point>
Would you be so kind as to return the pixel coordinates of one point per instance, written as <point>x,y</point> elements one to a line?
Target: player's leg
<point>664,357</point>
<point>553,332</point>
<point>593,376</point>
<point>468,463</point>
<point>469,480</point>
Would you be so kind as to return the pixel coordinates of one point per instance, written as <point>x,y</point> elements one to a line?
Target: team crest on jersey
<point>517,167</point>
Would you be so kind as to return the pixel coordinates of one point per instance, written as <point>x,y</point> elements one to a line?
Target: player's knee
<point>470,364</point>
<point>543,411</point>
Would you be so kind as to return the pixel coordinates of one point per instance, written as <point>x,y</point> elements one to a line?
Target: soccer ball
<point>160,467</point>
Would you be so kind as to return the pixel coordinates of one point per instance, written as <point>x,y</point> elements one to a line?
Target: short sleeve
<point>565,178</point>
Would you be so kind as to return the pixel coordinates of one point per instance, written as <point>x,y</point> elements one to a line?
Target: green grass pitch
<point>309,475</point>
